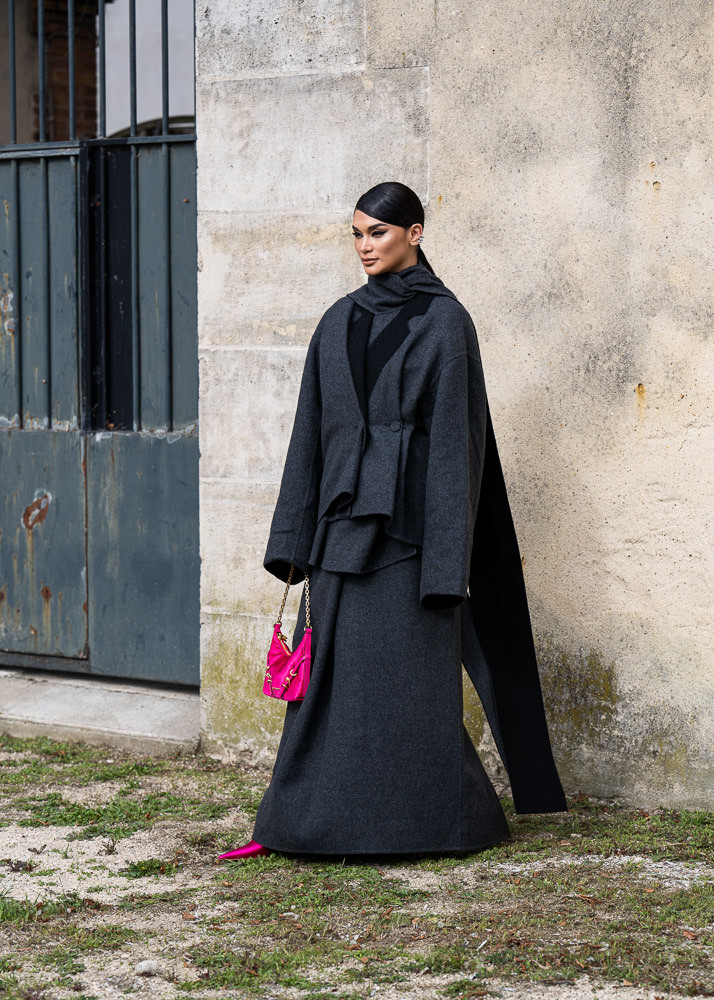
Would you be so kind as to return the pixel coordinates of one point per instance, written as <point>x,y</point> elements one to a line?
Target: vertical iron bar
<point>12,68</point>
<point>84,313</point>
<point>102,337</point>
<point>164,67</point>
<point>82,244</point>
<point>42,130</point>
<point>45,251</point>
<point>102,70</point>
<point>17,279</point>
<point>135,331</point>
<point>70,70</point>
<point>193,68</point>
<point>132,66</point>
<point>166,158</point>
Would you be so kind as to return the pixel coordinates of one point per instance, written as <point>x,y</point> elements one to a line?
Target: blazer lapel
<point>358,330</point>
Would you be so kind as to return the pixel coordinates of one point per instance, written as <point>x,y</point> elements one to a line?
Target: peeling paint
<point>7,320</point>
<point>36,512</point>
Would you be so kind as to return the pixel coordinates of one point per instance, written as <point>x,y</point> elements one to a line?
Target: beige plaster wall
<point>565,154</point>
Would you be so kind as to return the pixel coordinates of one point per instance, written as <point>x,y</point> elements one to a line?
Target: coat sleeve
<point>457,437</point>
<point>295,518</point>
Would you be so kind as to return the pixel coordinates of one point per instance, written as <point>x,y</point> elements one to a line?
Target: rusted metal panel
<point>99,567</point>
<point>35,327</point>
<point>184,336</point>
<point>43,585</point>
<point>154,290</point>
<point>10,383</point>
<point>143,558</point>
<point>63,293</point>
<point>38,295</point>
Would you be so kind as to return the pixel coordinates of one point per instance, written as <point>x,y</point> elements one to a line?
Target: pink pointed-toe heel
<point>250,850</point>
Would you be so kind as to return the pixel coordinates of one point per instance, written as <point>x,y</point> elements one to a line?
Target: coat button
<point>395,426</point>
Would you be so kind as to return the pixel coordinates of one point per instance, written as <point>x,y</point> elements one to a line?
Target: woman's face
<point>383,248</point>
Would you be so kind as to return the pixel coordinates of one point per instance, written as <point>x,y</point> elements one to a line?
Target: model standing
<point>393,500</point>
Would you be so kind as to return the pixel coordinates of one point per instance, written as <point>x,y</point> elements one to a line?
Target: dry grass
<point>108,859</point>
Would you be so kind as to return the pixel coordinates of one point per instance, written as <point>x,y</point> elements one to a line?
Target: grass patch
<point>552,925</point>
<point>120,818</point>
<point>42,761</point>
<point>606,830</point>
<point>21,912</point>
<point>224,968</point>
<point>571,894</point>
<point>145,901</point>
<point>149,867</point>
<point>548,924</point>
<point>312,914</point>
<point>467,989</point>
<point>66,956</point>
<point>81,938</point>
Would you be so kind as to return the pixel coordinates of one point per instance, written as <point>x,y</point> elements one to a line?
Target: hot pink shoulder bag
<point>288,674</point>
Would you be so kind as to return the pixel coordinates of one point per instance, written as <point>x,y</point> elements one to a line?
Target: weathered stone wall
<point>564,151</point>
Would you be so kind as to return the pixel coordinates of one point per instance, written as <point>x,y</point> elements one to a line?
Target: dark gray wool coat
<point>393,438</point>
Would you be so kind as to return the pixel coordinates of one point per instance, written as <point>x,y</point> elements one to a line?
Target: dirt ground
<point>109,886</point>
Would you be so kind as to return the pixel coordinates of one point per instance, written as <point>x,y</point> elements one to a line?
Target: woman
<point>393,500</point>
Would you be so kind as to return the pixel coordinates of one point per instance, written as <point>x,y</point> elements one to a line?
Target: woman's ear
<point>415,233</point>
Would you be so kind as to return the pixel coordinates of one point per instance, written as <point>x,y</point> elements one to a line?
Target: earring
<point>421,239</point>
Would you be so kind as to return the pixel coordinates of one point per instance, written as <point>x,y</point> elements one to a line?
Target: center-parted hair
<point>397,205</point>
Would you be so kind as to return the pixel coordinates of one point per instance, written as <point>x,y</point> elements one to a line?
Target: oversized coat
<point>399,432</point>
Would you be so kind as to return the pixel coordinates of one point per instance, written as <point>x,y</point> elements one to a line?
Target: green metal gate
<point>98,404</point>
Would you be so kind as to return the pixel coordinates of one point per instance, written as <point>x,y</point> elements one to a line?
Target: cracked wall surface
<point>564,154</point>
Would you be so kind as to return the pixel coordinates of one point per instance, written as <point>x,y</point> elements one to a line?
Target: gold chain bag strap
<point>288,673</point>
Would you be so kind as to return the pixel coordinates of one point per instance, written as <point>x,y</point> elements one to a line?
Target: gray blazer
<point>416,460</point>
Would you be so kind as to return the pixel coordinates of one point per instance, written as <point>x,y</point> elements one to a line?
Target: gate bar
<point>13,68</point>
<point>166,158</point>
<point>33,151</point>
<point>164,67</point>
<point>134,203</point>
<point>17,278</point>
<point>102,415</point>
<point>135,333</point>
<point>102,69</point>
<point>41,69</point>
<point>81,165</point>
<point>70,70</point>
<point>132,65</point>
<point>45,230</point>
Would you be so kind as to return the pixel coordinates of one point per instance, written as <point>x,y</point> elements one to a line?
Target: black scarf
<point>413,290</point>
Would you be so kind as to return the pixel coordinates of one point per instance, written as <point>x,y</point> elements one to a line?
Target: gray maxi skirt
<point>376,759</point>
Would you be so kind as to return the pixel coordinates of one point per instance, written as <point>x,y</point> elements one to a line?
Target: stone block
<point>266,279</point>
<point>247,401</point>
<point>235,522</point>
<point>235,714</point>
<point>266,37</point>
<point>303,144</point>
<point>399,34</point>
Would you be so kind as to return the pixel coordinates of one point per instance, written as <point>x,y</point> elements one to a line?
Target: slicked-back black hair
<point>397,205</point>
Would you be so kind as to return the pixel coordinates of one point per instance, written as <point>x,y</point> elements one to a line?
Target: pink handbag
<point>288,674</point>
